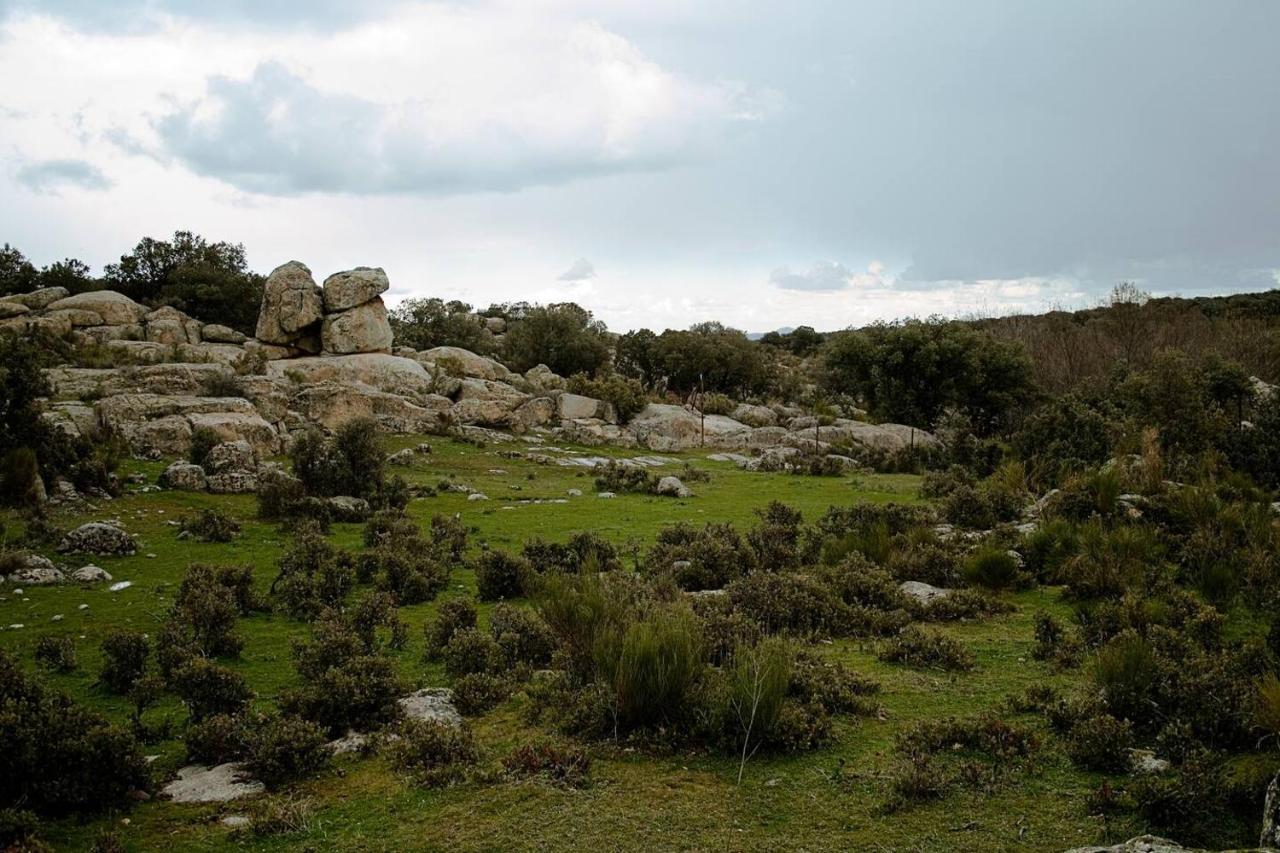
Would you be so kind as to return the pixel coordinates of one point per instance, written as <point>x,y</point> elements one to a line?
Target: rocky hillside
<point>324,354</point>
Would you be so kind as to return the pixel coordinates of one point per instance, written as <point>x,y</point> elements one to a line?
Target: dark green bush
<point>209,689</point>
<point>314,574</point>
<point>583,552</point>
<point>284,749</point>
<point>1101,743</point>
<point>203,440</point>
<point>59,757</point>
<point>789,602</point>
<point>350,462</point>
<point>993,568</point>
<point>477,693</point>
<point>706,558</point>
<point>209,525</point>
<point>522,635</point>
<point>500,575</point>
<point>124,659</point>
<point>435,753</point>
<point>216,739</point>
<point>56,653</point>
<point>626,395</point>
<point>455,615</point>
<point>625,477</point>
<point>470,650</point>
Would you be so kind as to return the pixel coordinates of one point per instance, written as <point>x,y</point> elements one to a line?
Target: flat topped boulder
<point>197,783</point>
<point>432,703</point>
<point>291,303</point>
<point>350,288</point>
<point>38,300</point>
<point>115,309</point>
<point>666,427</point>
<point>389,373</point>
<point>456,360</point>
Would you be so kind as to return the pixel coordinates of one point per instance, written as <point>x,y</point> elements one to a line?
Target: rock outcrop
<point>292,308</point>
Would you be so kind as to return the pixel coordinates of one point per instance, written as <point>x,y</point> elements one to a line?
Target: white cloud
<point>579,270</point>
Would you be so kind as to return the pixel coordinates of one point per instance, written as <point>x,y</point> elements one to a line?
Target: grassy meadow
<point>830,799</point>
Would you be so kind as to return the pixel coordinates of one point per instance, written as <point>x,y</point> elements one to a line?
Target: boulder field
<point>323,354</point>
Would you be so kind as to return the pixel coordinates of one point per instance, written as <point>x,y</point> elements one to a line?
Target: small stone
<point>606,495</point>
<point>477,496</point>
<point>116,587</point>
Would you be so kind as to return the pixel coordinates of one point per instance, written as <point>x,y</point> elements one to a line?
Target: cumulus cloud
<point>141,15</point>
<point>445,100</point>
<point>580,270</point>
<point>52,175</point>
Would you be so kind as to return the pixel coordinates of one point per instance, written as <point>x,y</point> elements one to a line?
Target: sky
<point>662,163</point>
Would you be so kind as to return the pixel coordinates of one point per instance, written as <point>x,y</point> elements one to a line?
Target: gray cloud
<point>580,270</point>
<point>51,175</point>
<point>824,276</point>
<point>144,15</point>
<point>276,134</point>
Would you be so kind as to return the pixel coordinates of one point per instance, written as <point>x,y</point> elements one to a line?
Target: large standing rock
<point>364,328</point>
<point>575,406</point>
<point>115,309</point>
<point>344,290</point>
<point>292,304</point>
<point>98,537</point>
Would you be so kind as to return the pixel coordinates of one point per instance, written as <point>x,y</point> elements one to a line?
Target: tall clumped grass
<point>651,665</point>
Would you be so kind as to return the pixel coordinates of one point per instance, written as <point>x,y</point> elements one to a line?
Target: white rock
<point>197,783</point>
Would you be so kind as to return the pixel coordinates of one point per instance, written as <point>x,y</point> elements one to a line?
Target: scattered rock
<point>432,703</point>
<point>185,477</point>
<point>90,574</point>
<point>672,487</point>
<point>344,290</point>
<point>923,592</point>
<point>98,537</point>
<point>115,587</point>
<point>197,783</point>
<point>477,496</point>
<point>574,493</point>
<point>401,457</point>
<point>37,571</point>
<point>1141,844</point>
<point>1145,762</point>
<point>349,509</point>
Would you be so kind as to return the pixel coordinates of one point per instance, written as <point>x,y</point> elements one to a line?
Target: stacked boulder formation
<point>346,316</point>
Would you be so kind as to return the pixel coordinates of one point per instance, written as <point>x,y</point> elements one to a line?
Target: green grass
<point>828,799</point>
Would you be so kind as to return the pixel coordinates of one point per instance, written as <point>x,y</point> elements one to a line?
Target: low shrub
<point>550,762</point>
<point>1053,643</point>
<point>696,559</point>
<point>314,574</point>
<point>209,689</point>
<point>469,651</point>
<point>124,659</point>
<point>775,542</point>
<point>279,815</point>
<point>583,552</point>
<point>455,615</point>
<point>435,753</point>
<point>927,650</point>
<point>500,575</point>
<point>477,693</point>
<point>758,680</point>
<point>964,604</point>
<point>789,602</point>
<point>1101,743</point>
<point>626,395</point>
<point>216,739</point>
<point>208,602</point>
<point>57,654</point>
<point>61,758</point>
<point>350,462</point>
<point>203,439</point>
<point>209,525</point>
<point>625,477</point>
<point>915,779</point>
<point>993,568</point>
<point>522,635</point>
<point>284,749</point>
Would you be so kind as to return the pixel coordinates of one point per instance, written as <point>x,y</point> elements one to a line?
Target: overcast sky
<point>762,163</point>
